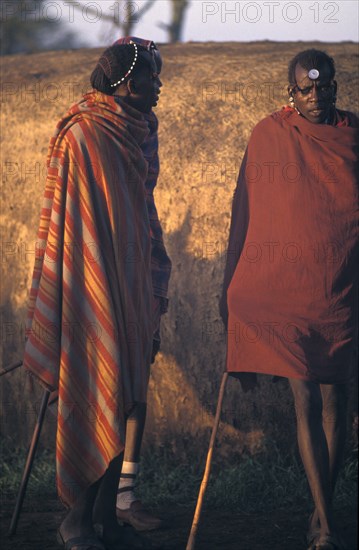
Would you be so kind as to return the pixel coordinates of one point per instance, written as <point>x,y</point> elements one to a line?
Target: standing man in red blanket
<point>92,316</point>
<point>290,286</point>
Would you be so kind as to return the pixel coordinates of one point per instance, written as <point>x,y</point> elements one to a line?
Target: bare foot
<point>313,529</point>
<point>329,542</point>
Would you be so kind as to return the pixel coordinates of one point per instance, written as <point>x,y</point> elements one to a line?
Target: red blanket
<point>90,317</point>
<point>291,270</point>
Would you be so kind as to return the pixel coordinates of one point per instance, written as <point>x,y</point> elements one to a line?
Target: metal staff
<point>197,513</point>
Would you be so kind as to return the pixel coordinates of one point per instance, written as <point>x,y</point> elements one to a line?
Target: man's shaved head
<point>310,59</point>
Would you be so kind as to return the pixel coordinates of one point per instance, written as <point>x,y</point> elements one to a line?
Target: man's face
<point>146,84</point>
<point>314,98</point>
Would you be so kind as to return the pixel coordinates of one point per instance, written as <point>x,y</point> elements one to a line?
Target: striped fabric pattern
<point>90,323</point>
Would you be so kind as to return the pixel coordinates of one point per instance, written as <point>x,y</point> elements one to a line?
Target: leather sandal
<point>138,517</point>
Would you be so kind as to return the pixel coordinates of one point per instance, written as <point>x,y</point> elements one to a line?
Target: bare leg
<point>314,449</point>
<point>335,407</point>
<point>106,499</point>
<point>129,509</point>
<point>78,522</point>
<point>334,421</point>
<point>134,432</point>
<point>115,537</point>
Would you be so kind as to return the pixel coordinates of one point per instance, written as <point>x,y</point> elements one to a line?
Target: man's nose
<point>314,93</point>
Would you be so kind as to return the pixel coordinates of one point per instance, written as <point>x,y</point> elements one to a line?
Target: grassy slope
<point>213,95</point>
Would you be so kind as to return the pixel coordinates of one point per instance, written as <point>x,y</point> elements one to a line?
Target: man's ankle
<point>125,492</point>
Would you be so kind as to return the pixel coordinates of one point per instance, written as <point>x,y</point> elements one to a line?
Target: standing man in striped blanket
<point>91,316</point>
<point>128,508</point>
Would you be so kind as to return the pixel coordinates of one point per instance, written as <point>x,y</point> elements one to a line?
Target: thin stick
<point>197,513</point>
<point>29,462</point>
<point>10,368</point>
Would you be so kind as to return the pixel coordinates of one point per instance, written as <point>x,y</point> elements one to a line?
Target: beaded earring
<point>292,104</point>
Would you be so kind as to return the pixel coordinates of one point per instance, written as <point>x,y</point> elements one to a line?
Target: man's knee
<point>335,401</point>
<point>307,400</point>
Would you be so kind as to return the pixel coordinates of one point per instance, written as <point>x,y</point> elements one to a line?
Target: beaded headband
<point>129,70</point>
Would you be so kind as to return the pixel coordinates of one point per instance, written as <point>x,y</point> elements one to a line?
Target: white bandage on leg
<point>125,492</point>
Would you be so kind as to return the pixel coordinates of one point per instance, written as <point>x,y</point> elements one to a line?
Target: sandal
<point>80,543</point>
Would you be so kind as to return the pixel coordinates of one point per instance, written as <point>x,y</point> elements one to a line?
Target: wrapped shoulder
<point>267,125</point>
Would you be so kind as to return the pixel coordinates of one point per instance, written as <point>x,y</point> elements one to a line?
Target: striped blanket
<point>90,322</point>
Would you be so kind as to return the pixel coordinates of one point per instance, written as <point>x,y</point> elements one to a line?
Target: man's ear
<point>335,84</point>
<point>290,90</point>
<point>131,86</point>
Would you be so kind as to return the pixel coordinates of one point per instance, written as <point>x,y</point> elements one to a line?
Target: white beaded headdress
<point>129,70</point>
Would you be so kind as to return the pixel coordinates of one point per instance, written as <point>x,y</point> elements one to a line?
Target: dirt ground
<point>219,529</point>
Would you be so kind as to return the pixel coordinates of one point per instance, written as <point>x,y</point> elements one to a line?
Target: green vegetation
<point>257,483</point>
<point>42,479</point>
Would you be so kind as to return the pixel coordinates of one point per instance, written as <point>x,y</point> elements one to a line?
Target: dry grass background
<point>213,95</point>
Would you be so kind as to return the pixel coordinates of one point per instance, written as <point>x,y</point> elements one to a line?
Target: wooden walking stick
<point>46,400</point>
<point>202,490</point>
<point>10,368</point>
<point>29,462</point>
